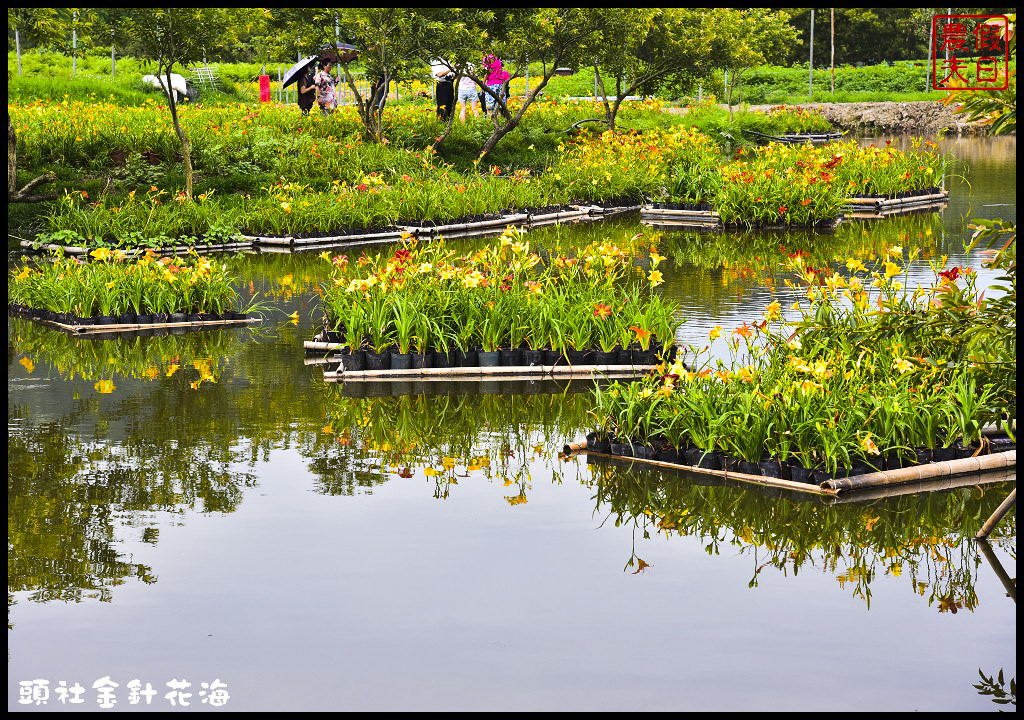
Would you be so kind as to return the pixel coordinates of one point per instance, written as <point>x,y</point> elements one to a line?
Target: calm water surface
<point>203,506</point>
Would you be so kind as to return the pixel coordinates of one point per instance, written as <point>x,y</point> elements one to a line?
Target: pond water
<point>204,507</point>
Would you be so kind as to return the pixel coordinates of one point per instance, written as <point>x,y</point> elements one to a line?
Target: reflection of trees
<point>996,687</point>
<point>926,537</point>
<point>446,434</point>
<point>60,530</point>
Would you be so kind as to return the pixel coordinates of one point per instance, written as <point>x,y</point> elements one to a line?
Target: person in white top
<point>444,91</point>
<point>467,94</point>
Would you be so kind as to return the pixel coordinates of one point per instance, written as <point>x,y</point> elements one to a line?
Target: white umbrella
<point>296,70</point>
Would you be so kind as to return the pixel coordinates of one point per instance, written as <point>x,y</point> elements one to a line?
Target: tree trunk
<point>609,114</point>
<point>513,121</point>
<point>186,146</point>
<point>12,157</point>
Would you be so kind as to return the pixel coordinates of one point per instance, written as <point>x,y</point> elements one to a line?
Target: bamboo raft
<point>937,472</point>
<point>501,372</point>
<point>700,218</point>
<point>796,137</point>
<point>870,214</point>
<point>135,327</point>
<point>246,244</point>
<point>878,204</point>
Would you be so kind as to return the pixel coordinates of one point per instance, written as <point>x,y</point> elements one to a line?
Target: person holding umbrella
<point>325,82</point>
<point>307,91</point>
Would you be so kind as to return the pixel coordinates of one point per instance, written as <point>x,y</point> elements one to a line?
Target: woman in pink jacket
<point>495,79</point>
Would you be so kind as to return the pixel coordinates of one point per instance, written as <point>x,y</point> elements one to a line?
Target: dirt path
<point>920,118</point>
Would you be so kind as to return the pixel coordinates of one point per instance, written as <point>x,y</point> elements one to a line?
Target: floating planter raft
<point>890,203</point>
<point>795,137</point>
<point>869,213</point>
<point>245,244</point>
<point>929,471</point>
<point>521,372</point>
<point>699,218</point>
<point>124,323</point>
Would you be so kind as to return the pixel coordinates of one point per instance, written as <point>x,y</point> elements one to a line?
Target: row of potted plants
<point>802,185</point>
<point>112,289</point>
<point>503,304</point>
<point>851,390</point>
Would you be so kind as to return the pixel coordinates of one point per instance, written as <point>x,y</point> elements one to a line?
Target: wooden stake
<point>1003,508</point>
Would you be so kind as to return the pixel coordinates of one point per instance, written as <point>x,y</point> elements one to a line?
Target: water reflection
<point>117,441</point>
<point>926,538</point>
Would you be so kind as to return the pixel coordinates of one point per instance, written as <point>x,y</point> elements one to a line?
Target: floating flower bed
<point>852,390</point>
<point>426,307</point>
<point>114,292</point>
<point>788,186</point>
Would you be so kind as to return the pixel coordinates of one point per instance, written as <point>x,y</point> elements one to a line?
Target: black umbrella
<point>296,70</point>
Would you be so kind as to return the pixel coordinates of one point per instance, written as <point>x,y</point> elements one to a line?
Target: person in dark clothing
<point>380,81</point>
<point>444,92</point>
<point>307,91</point>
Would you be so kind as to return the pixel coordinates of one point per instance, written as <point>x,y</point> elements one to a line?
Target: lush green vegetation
<point>844,385</point>
<point>427,299</point>
<point>114,286</point>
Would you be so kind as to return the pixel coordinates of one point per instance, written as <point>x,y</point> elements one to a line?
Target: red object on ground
<point>264,88</point>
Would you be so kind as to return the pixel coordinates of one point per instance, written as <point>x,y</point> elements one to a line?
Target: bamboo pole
<point>725,474</point>
<point>1003,508</point>
<point>532,371</point>
<point>962,466</point>
<point>1009,584</point>
<point>932,485</point>
<point>129,327</point>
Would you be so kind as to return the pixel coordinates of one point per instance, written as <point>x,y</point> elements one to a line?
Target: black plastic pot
<point>128,319</point>
<point>598,442</point>
<point>533,358</point>
<point>770,467</point>
<point>923,456</point>
<point>605,358</point>
<point>469,358</point>
<point>941,454</point>
<point>423,361</point>
<point>798,473</point>
<point>668,453</point>
<point>618,447</point>
<point>488,359</point>
<point>645,357</point>
<point>553,357</point>
<point>730,463</point>
<point>161,318</point>
<point>144,319</point>
<point>106,320</point>
<point>893,461</point>
<point>401,361</point>
<point>709,461</point>
<point>176,317</point>
<point>353,361</point>
<point>510,357</point>
<point>821,475</point>
<point>748,468</point>
<point>378,361</point>
<point>963,451</point>
<point>644,452</point>
<point>692,455</point>
<point>192,317</point>
<point>623,356</point>
<point>578,357</point>
<point>444,359</point>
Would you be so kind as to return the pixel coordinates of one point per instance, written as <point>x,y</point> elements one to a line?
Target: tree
<point>753,38</point>
<point>169,37</point>
<point>643,48</point>
<point>37,25</point>
<point>556,37</point>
